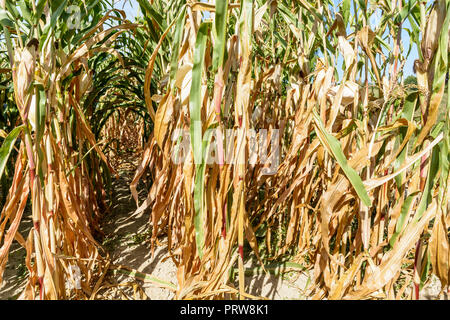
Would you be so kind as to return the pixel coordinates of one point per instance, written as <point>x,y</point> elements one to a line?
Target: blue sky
<point>374,21</point>
<point>131,7</point>
<point>132,10</point>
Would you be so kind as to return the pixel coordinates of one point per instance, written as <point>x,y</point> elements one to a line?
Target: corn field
<point>278,130</point>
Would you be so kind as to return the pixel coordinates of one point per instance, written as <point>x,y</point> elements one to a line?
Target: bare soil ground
<point>16,272</point>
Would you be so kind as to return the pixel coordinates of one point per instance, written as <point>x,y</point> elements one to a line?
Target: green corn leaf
<point>362,4</point>
<point>199,198</point>
<point>195,105</point>
<point>220,25</point>
<point>406,11</point>
<point>407,113</point>
<point>333,146</point>
<point>54,18</point>
<point>404,212</point>
<point>39,9</point>
<point>431,181</point>
<point>346,11</point>
<point>11,8</point>
<point>5,19</point>
<point>26,13</point>
<point>425,269</point>
<point>154,14</point>
<point>7,146</point>
<point>445,156</point>
<point>40,113</point>
<point>176,45</point>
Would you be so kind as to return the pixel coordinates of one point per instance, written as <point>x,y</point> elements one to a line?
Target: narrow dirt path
<point>126,240</point>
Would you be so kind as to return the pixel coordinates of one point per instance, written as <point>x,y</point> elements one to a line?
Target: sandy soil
<point>15,275</point>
